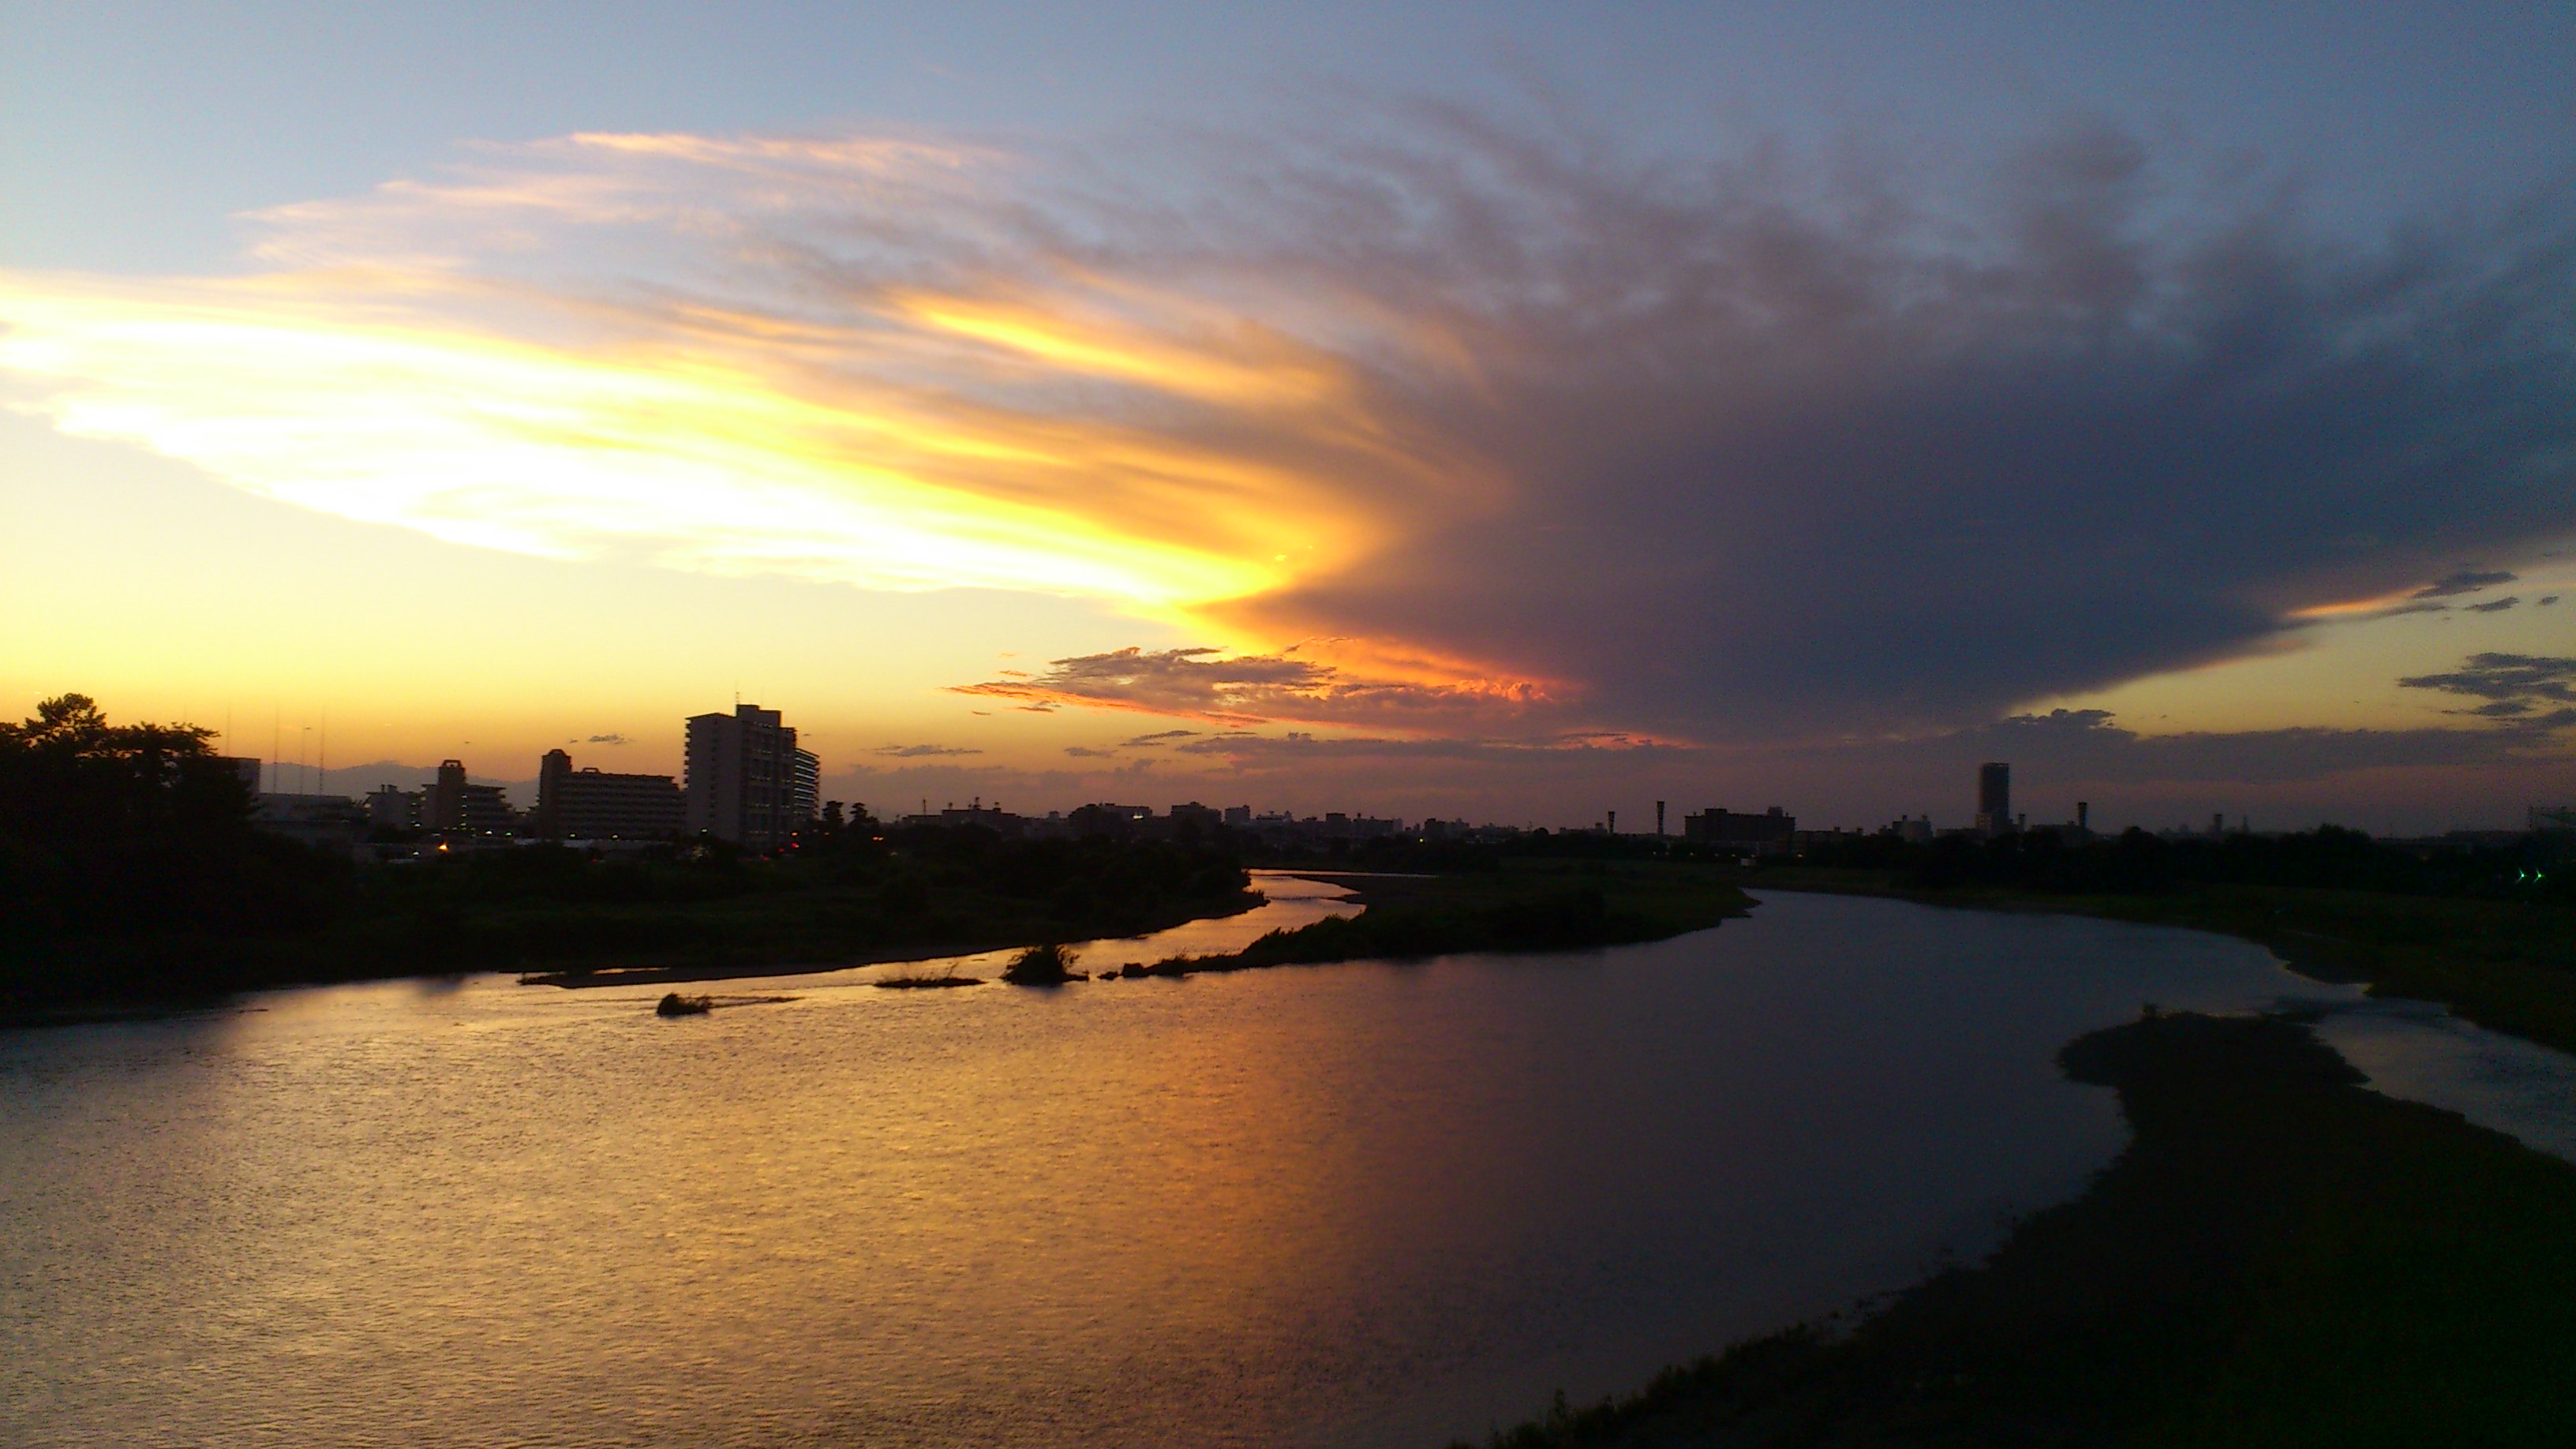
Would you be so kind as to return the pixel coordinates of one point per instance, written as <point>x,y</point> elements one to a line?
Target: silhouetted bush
<point>1047,965</point>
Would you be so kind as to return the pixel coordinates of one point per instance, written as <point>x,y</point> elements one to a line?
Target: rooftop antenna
<point>323,745</point>
<point>276,748</point>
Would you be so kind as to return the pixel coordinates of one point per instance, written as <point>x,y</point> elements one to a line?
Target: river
<point>1367,1204</point>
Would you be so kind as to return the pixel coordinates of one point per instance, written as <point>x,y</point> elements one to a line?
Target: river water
<point>1366,1204</point>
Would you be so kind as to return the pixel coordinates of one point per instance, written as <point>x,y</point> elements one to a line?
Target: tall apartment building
<point>596,805</point>
<point>450,803</point>
<point>804,789</point>
<point>742,783</point>
<point>1994,799</point>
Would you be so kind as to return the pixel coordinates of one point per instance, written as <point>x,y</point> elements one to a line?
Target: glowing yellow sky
<point>631,453</point>
<point>2341,670</point>
<point>300,391</point>
<point>1069,440</point>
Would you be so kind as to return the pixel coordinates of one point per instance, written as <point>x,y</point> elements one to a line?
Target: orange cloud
<point>1253,689</point>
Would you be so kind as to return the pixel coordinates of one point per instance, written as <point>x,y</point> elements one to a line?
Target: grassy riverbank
<point>574,921</point>
<point>1523,905</point>
<point>2280,1258</point>
<point>2505,964</point>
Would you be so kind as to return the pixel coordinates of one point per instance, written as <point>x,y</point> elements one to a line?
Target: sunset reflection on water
<point>1356,1204</point>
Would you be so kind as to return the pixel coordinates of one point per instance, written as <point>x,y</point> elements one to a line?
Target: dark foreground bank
<point>2279,1258</point>
<point>1522,905</point>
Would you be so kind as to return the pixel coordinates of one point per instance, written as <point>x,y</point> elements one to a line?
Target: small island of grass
<point>1042,965</point>
<point>1517,906</point>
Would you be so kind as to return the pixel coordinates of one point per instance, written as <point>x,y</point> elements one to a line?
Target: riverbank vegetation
<point>1508,904</point>
<point>130,872</point>
<point>2491,934</point>
<point>2280,1258</point>
<point>924,979</point>
<point>866,897</point>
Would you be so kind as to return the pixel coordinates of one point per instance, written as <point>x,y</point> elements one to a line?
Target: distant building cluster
<point>1192,820</point>
<point>746,782</point>
<point>1770,833</point>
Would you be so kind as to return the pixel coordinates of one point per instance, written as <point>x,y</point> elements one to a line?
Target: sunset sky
<point>1511,411</point>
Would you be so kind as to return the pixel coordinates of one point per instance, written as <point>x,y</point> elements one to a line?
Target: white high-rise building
<point>742,783</point>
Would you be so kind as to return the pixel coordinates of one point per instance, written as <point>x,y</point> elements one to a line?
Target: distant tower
<point>1659,820</point>
<point>1994,798</point>
<point>2083,814</point>
<point>445,807</point>
<point>1614,822</point>
<point>553,768</point>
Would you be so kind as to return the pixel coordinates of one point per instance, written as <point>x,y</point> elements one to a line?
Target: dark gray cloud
<point>2077,744</point>
<point>2088,744</point>
<point>1086,752</point>
<point>2464,581</point>
<point>1753,449</point>
<point>921,752</point>
<point>1740,447</point>
<point>2494,606</point>
<point>605,740</point>
<point>1159,737</point>
<point>2521,688</point>
<point>1786,456</point>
